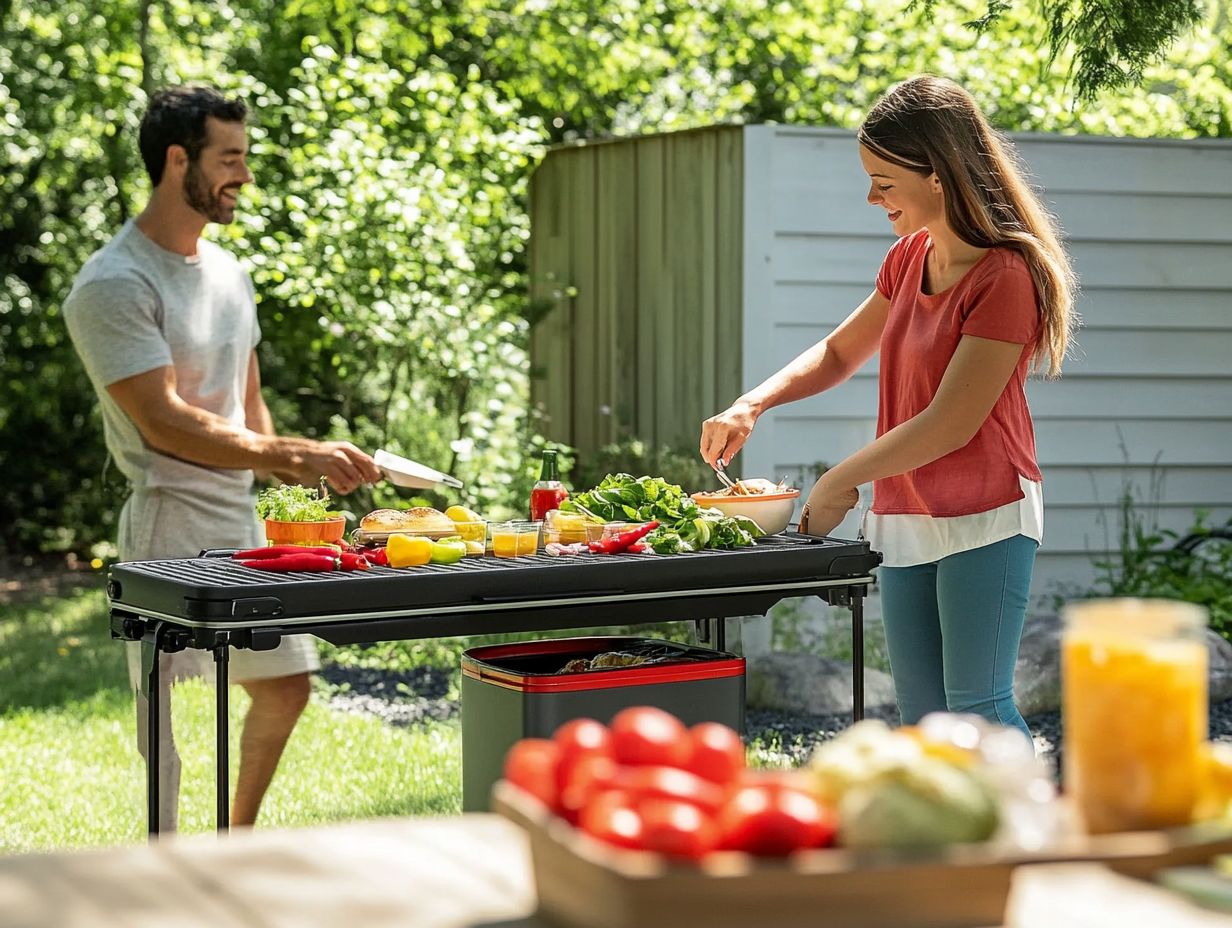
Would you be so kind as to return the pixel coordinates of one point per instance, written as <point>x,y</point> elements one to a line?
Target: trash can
<point>529,689</point>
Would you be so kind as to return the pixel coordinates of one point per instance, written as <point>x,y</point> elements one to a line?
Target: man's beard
<point>199,196</point>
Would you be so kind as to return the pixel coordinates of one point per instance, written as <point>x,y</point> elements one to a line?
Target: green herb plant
<point>684,525</point>
<point>293,503</point>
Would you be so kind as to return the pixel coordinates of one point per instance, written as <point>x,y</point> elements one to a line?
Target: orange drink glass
<point>1134,709</point>
<point>515,539</point>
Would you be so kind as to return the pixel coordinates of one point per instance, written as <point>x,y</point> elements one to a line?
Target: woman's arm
<point>973,381</point>
<point>826,364</point>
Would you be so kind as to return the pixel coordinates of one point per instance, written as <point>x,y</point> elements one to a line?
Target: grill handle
<point>544,597</point>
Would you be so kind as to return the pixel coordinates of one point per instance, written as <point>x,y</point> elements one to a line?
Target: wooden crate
<point>583,882</point>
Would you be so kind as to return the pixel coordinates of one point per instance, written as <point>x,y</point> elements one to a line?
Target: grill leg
<point>222,710</point>
<point>857,654</point>
<point>150,645</point>
<point>720,634</point>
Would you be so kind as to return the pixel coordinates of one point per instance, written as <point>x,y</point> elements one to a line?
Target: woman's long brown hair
<point>931,125</point>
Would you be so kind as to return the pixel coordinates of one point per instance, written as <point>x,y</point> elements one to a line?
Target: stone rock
<point>807,683</point>
<point>1219,653</point>
<point>1037,677</point>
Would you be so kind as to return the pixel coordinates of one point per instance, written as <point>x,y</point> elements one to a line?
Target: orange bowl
<point>771,511</point>
<point>327,531</point>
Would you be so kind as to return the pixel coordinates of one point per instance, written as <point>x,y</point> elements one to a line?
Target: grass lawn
<point>70,775</point>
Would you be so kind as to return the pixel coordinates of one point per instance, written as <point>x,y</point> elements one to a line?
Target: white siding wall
<point>1149,391</point>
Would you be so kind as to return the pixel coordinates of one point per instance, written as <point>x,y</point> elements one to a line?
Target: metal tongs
<point>735,486</point>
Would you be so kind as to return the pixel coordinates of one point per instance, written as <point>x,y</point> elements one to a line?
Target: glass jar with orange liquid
<point>1134,711</point>
<point>515,539</point>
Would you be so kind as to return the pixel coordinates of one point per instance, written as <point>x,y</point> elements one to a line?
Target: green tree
<point>392,144</point>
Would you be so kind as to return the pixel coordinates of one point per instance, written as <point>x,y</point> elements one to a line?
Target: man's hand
<point>826,507</point>
<point>339,462</point>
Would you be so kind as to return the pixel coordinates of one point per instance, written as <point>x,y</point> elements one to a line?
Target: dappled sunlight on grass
<point>58,650</point>
<point>72,776</point>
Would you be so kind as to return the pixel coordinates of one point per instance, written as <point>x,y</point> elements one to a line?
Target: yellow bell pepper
<point>408,550</point>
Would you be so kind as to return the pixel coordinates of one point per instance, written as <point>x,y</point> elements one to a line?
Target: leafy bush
<point>1150,565</point>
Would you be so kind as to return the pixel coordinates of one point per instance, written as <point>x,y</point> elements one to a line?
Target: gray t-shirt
<point>136,307</point>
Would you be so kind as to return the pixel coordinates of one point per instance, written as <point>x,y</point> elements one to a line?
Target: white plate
<point>403,472</point>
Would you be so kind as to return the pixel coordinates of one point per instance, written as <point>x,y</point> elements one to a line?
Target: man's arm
<point>256,414</point>
<point>181,430</point>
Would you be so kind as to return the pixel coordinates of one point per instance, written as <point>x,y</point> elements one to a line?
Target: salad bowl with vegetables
<point>296,515</point>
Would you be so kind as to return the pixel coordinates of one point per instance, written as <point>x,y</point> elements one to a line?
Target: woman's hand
<point>725,433</point>
<point>826,507</point>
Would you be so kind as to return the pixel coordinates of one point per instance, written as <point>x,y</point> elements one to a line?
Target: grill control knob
<point>113,589</point>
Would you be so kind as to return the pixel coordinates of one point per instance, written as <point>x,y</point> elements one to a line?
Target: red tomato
<point>645,735</point>
<point>612,817</point>
<point>671,783</point>
<point>588,776</point>
<point>531,764</point>
<point>715,753</point>
<point>774,821</point>
<point>680,829</point>
<point>579,739</point>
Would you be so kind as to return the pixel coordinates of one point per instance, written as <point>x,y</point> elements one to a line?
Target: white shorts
<point>163,524</point>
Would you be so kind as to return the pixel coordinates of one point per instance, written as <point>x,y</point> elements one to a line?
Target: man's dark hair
<point>176,116</point>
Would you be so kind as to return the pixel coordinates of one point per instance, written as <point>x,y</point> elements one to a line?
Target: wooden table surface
<point>427,873</point>
<point>456,872</point>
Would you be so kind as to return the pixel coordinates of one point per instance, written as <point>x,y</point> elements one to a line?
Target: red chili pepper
<point>318,563</point>
<point>351,561</point>
<point>272,551</point>
<point>378,557</point>
<point>622,542</point>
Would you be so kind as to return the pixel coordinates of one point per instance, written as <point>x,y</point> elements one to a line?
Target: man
<point>166,327</point>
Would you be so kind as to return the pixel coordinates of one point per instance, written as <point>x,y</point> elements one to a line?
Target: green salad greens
<point>684,525</point>
<point>293,503</point>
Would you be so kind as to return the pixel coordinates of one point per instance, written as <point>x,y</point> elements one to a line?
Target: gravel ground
<point>406,698</point>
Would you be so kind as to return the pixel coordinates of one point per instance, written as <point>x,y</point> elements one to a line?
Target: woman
<point>976,290</point>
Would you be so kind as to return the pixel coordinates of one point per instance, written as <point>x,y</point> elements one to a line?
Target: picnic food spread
<point>622,515</point>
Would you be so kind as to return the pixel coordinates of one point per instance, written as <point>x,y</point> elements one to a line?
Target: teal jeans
<point>952,631</point>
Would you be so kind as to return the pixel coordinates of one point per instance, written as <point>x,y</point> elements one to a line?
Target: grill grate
<point>215,587</point>
<point>218,570</point>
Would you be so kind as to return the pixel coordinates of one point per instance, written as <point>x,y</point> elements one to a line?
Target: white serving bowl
<point>771,511</point>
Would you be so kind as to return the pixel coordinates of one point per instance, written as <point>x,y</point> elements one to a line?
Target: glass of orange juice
<point>1134,710</point>
<point>515,539</point>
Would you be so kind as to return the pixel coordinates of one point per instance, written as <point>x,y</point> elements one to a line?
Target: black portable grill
<point>210,602</point>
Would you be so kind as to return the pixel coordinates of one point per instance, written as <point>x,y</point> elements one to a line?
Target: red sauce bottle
<point>548,492</point>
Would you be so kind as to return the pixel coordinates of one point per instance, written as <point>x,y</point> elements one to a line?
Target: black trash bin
<point>529,689</point>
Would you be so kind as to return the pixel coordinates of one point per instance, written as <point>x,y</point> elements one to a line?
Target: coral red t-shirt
<point>995,299</point>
